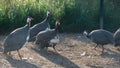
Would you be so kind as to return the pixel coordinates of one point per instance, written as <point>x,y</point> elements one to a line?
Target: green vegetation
<point>75,15</point>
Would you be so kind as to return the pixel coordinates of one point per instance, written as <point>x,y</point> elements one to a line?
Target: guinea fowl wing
<point>46,35</point>
<point>108,37</point>
<point>16,38</point>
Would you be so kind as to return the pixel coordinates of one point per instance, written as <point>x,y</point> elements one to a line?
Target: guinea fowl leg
<point>19,54</point>
<point>95,47</point>
<point>9,53</point>
<point>102,49</point>
<point>46,48</point>
<point>55,49</point>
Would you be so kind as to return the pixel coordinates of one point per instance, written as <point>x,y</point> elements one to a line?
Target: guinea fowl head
<point>29,20</point>
<point>57,24</point>
<point>86,34</point>
<point>49,13</point>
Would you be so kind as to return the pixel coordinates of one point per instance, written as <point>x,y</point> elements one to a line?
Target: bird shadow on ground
<point>112,54</point>
<point>20,63</point>
<point>1,50</point>
<point>1,47</point>
<point>57,59</point>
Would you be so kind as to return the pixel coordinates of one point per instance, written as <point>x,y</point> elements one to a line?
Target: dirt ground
<point>75,51</point>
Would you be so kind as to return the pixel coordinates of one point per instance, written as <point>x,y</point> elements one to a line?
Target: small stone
<point>83,54</point>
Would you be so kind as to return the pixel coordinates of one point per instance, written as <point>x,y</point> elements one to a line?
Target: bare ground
<point>75,51</point>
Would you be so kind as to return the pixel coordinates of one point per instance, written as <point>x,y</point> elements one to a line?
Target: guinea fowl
<point>48,38</point>
<point>100,37</point>
<point>40,27</point>
<point>117,37</point>
<point>17,38</point>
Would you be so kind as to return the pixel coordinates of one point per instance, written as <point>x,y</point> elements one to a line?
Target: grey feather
<point>16,39</point>
<point>101,37</point>
<point>39,27</point>
<point>117,37</point>
<point>43,38</point>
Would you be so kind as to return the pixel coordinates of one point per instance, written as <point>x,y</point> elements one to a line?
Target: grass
<point>76,14</point>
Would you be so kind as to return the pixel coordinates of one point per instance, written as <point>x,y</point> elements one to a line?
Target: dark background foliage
<point>75,15</point>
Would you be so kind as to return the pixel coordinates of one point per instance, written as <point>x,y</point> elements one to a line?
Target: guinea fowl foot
<point>118,49</point>
<point>9,54</point>
<point>101,52</point>
<point>20,56</point>
<point>55,50</point>
<point>93,48</point>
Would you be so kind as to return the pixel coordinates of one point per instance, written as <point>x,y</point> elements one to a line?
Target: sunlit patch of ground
<point>75,51</point>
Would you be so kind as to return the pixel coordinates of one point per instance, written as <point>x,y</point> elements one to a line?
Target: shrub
<point>75,15</point>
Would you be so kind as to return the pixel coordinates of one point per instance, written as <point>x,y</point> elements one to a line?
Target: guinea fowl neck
<point>28,25</point>
<point>48,18</point>
<point>88,36</point>
<point>56,29</point>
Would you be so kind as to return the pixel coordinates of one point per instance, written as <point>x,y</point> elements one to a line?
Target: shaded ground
<point>74,52</point>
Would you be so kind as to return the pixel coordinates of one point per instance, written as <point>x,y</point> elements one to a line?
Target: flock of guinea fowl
<point>43,36</point>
